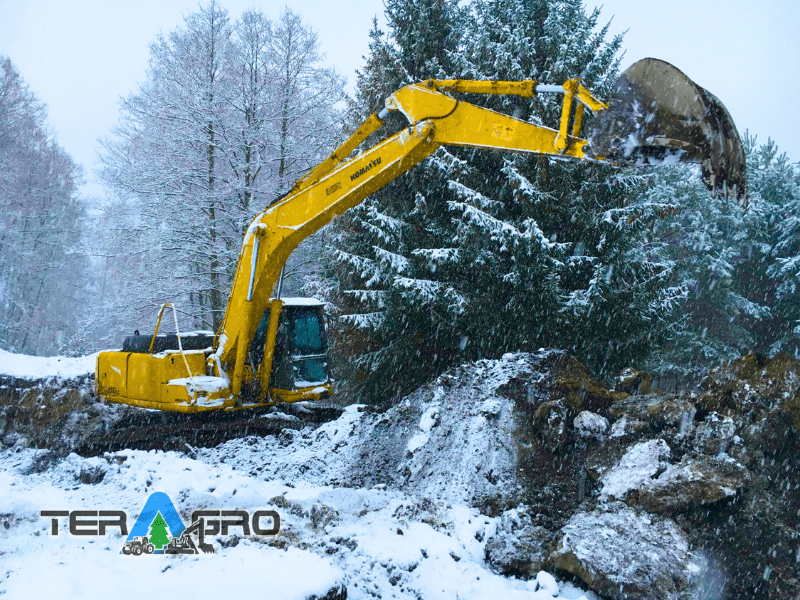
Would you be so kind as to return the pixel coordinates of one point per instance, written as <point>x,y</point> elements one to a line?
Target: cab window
<point>307,334</point>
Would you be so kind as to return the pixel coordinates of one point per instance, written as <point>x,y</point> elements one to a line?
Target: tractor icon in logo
<point>138,545</point>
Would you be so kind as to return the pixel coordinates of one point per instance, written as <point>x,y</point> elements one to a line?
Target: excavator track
<point>142,429</point>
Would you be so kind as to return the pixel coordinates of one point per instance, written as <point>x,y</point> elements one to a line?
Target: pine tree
<point>475,253</point>
<point>731,263</point>
<point>158,532</point>
<point>777,182</point>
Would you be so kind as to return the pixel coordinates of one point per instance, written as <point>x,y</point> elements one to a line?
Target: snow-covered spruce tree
<point>731,263</point>
<point>777,183</point>
<point>475,253</point>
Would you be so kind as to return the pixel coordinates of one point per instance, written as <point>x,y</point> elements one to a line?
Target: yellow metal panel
<point>174,393</point>
<point>111,373</point>
<point>173,366</point>
<point>265,369</point>
<point>464,124</point>
<point>144,377</point>
<point>289,396</point>
<point>371,125</point>
<point>526,89</point>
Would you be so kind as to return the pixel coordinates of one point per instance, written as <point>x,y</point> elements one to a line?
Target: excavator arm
<point>335,186</point>
<point>238,372</point>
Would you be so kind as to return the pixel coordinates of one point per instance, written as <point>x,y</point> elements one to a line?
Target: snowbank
<point>373,542</point>
<point>43,367</point>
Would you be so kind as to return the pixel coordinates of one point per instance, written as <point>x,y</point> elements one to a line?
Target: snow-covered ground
<point>378,542</point>
<point>415,541</point>
<point>43,367</point>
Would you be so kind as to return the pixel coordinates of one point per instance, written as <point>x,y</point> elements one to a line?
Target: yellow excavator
<point>271,350</point>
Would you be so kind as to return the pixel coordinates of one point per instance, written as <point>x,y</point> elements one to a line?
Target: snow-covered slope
<point>495,471</point>
<point>344,530</point>
<point>43,367</point>
<point>447,441</point>
<point>376,542</point>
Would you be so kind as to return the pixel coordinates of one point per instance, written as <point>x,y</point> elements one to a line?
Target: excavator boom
<point>273,350</point>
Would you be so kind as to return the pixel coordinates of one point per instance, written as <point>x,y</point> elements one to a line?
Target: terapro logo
<point>159,528</point>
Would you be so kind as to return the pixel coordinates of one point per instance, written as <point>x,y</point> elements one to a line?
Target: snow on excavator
<point>271,350</point>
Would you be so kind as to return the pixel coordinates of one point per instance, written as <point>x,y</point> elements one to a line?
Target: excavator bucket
<point>657,115</point>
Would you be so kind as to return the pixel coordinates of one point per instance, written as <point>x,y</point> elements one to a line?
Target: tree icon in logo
<point>158,532</point>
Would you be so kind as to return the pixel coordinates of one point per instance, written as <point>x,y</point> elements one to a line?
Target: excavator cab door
<point>299,357</point>
<point>301,346</point>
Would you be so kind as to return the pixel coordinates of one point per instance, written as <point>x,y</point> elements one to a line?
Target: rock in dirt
<point>590,425</point>
<point>518,548</point>
<point>625,554</point>
<point>660,411</point>
<point>636,469</point>
<point>714,434</point>
<point>337,592</point>
<point>645,477</point>
<point>520,555</point>
<point>692,483</point>
<point>754,384</point>
<point>633,382</point>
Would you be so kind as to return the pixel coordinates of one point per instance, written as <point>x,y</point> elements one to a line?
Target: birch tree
<point>40,225</point>
<point>230,113</point>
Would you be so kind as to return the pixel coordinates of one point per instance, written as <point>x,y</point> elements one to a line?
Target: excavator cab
<point>300,355</point>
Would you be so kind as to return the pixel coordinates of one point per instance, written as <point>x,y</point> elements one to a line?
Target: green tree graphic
<point>158,532</point>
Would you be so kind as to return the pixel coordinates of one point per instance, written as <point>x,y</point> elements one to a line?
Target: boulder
<point>518,548</point>
<point>644,476</point>
<point>622,553</point>
<point>659,411</point>
<point>519,554</point>
<point>714,434</point>
<point>590,425</point>
<point>792,406</point>
<point>692,483</point>
<point>557,375</point>
<point>625,427</point>
<point>636,469</point>
<point>774,434</point>
<point>633,382</point>
<point>753,384</point>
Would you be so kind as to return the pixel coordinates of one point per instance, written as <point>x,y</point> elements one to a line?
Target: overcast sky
<point>80,56</point>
